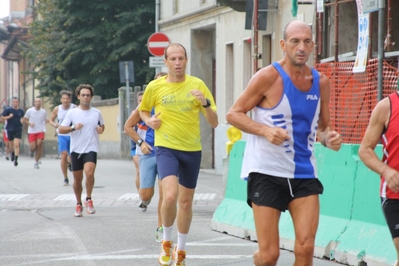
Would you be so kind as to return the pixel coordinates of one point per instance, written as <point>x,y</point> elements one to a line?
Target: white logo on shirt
<point>312,97</point>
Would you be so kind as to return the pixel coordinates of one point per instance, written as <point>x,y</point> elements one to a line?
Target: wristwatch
<point>208,103</point>
<point>139,142</point>
<point>73,128</point>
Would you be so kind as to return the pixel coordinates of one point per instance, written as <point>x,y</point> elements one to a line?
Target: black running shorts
<point>79,159</point>
<point>390,208</point>
<point>278,192</point>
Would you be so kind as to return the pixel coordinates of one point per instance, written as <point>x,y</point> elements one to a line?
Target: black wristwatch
<point>73,128</point>
<point>139,142</point>
<point>208,103</point>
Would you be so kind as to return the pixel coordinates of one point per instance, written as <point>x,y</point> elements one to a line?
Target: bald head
<point>294,26</point>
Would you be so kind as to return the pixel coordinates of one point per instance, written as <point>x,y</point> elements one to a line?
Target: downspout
<point>336,38</point>
<point>389,26</point>
<point>255,21</point>
<point>319,34</point>
<point>370,47</point>
<point>381,19</point>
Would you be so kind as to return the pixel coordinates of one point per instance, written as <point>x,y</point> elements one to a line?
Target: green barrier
<point>233,215</point>
<point>352,227</point>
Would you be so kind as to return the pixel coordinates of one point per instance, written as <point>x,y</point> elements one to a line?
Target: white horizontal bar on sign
<point>12,197</point>
<point>158,44</point>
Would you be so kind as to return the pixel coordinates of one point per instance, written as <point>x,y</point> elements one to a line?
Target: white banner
<point>320,6</point>
<point>363,39</point>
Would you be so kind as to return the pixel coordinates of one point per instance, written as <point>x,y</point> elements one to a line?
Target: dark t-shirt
<point>14,123</point>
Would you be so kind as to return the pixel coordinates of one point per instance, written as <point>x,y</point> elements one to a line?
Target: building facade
<point>224,54</point>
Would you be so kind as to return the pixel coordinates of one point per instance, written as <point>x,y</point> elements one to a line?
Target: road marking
<point>204,196</point>
<point>129,196</point>
<point>67,197</point>
<point>12,197</point>
<point>124,197</point>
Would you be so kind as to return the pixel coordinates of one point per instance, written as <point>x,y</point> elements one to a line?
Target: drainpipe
<point>381,19</point>
<point>157,5</point>
<point>336,38</point>
<point>255,47</point>
<point>319,34</point>
<point>389,26</point>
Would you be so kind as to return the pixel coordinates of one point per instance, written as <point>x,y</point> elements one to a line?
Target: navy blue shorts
<point>14,135</point>
<point>278,192</point>
<point>183,164</point>
<point>78,160</point>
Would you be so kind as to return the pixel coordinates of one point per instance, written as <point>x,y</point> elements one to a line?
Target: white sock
<point>167,233</point>
<point>181,241</point>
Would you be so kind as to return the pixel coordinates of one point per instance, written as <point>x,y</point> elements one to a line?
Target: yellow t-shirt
<point>180,112</point>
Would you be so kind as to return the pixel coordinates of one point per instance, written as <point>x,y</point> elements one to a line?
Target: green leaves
<point>76,42</point>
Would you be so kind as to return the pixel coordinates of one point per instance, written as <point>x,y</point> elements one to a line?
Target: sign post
<point>126,74</point>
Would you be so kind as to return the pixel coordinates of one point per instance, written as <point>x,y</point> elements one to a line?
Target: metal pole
<point>157,4</point>
<point>381,12</point>
<point>255,21</point>
<point>127,88</point>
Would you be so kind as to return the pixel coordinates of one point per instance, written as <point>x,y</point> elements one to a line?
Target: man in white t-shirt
<point>36,118</point>
<point>64,140</point>
<point>85,123</point>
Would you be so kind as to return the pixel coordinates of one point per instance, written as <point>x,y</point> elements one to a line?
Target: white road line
<point>67,197</point>
<point>124,197</point>
<point>204,196</point>
<point>129,196</point>
<point>12,197</point>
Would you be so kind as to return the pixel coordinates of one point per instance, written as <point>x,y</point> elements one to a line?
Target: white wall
<point>229,30</point>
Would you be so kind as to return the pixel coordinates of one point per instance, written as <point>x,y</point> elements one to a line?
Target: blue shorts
<point>133,152</point>
<point>64,143</point>
<point>148,171</point>
<point>184,164</point>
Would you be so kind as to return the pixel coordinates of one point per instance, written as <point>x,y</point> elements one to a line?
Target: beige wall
<point>110,114</point>
<point>109,140</point>
<point>18,5</point>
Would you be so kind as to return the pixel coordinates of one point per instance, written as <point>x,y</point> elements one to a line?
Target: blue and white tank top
<point>298,113</point>
<point>61,115</point>
<point>146,133</point>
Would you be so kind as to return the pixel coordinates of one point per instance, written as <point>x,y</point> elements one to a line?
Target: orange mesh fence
<point>354,95</point>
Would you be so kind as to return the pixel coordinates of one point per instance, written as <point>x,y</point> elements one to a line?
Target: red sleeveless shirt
<point>390,142</point>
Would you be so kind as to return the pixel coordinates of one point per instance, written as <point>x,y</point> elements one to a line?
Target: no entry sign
<point>157,43</point>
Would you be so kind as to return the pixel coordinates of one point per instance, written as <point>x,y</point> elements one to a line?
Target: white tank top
<point>61,115</point>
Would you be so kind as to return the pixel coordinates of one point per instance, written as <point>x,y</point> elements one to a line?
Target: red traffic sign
<point>157,43</point>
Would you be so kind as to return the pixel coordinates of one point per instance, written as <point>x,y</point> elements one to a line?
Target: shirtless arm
<point>378,121</point>
<point>327,137</point>
<point>256,90</point>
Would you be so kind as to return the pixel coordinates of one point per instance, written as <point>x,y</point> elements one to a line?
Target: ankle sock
<point>167,233</point>
<point>181,241</point>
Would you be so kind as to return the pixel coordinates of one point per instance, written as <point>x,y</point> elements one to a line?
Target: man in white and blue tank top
<point>289,103</point>
<point>64,140</point>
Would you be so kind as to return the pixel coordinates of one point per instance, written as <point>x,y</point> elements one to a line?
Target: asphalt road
<point>37,226</point>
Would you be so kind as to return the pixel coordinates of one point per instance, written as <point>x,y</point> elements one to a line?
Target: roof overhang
<point>13,50</point>
<point>238,5</point>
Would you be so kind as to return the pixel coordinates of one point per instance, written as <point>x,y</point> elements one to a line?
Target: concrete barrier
<point>352,227</point>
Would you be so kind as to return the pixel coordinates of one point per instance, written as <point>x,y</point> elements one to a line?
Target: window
<point>175,6</point>
<point>229,76</point>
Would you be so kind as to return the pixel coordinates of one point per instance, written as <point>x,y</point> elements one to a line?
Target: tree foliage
<point>75,42</point>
